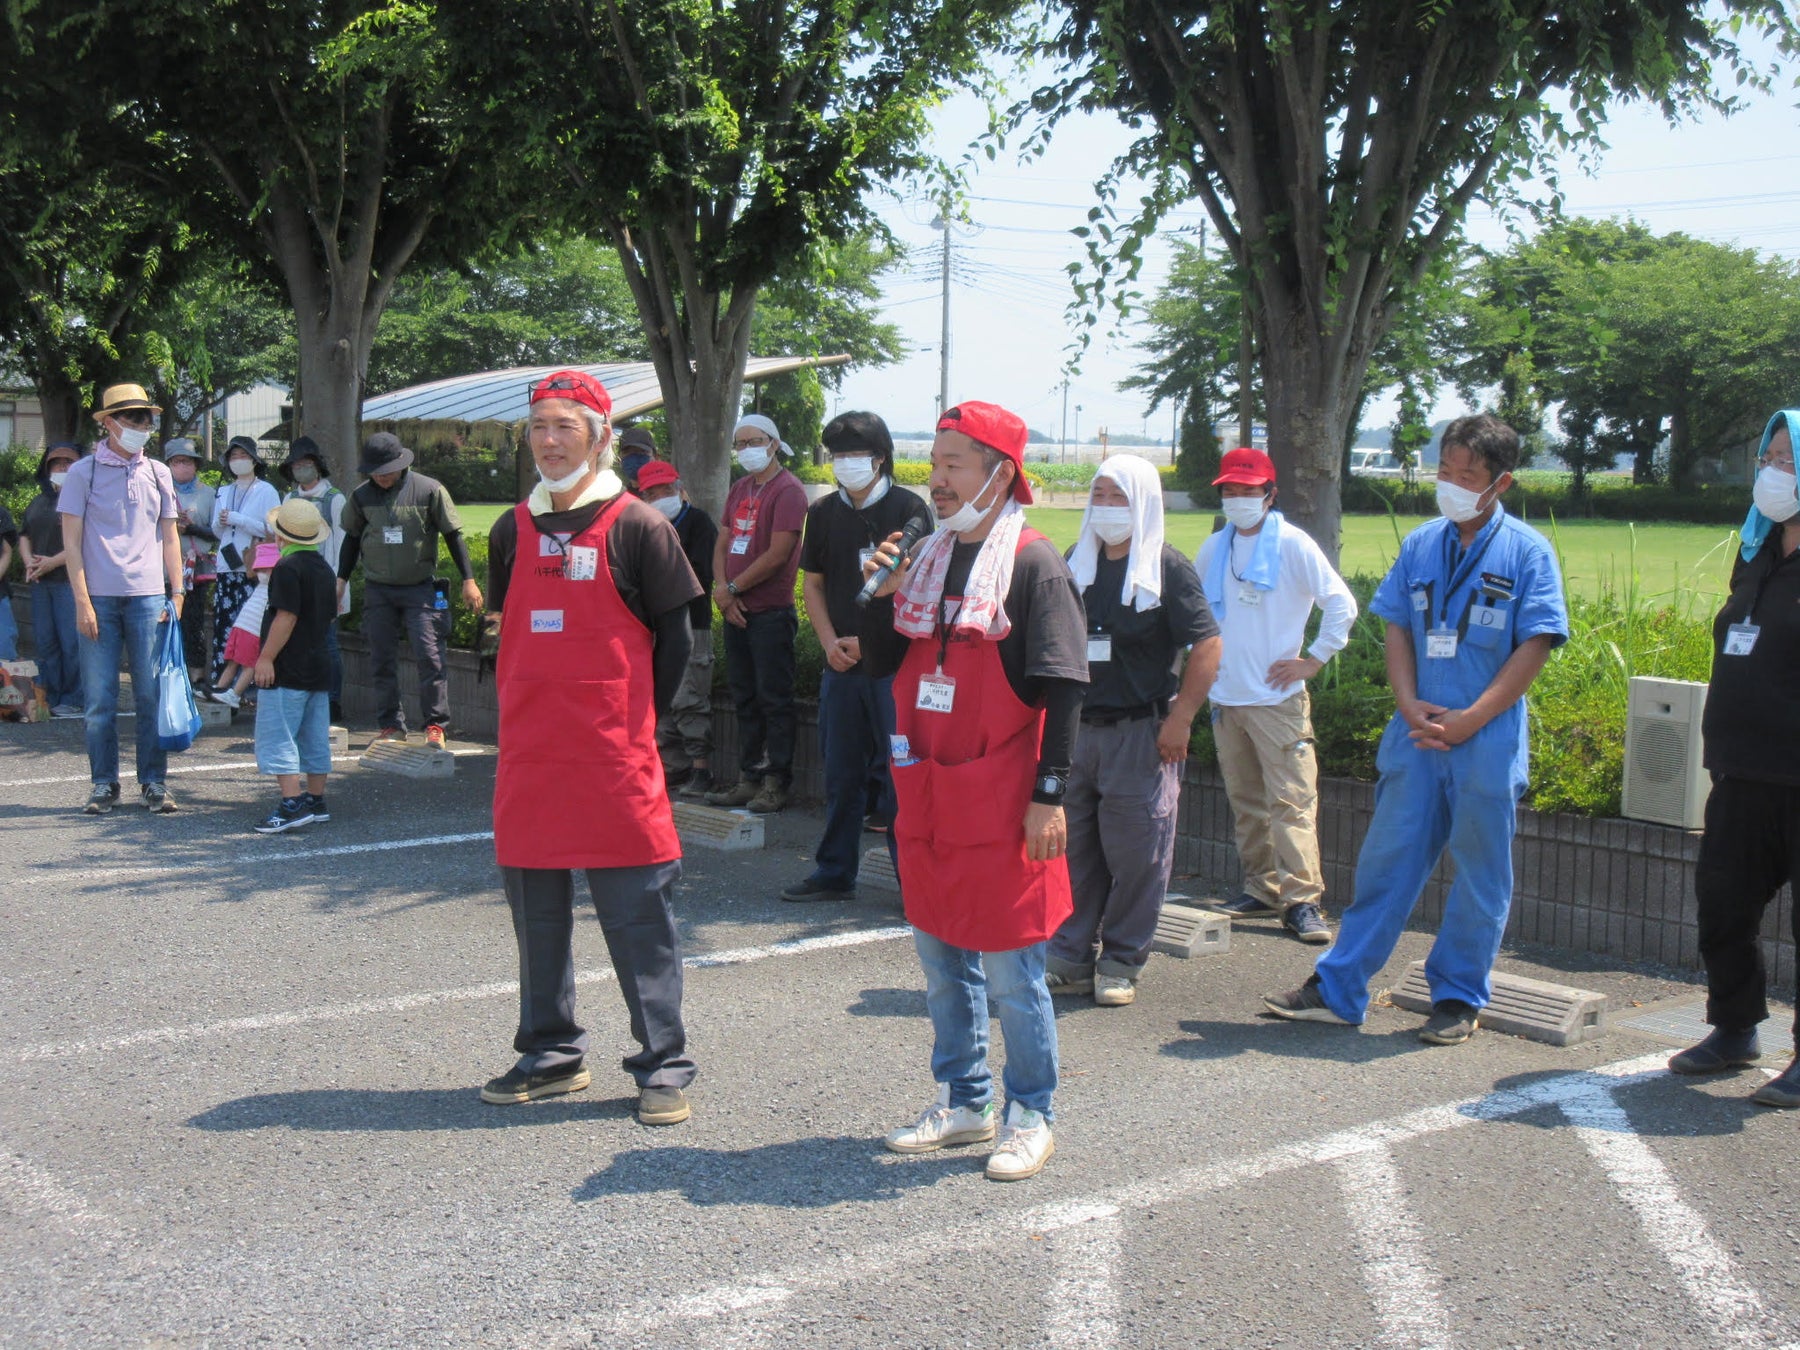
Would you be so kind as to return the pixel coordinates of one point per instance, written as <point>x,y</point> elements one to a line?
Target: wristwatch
<point>1050,785</point>
<point>731,588</point>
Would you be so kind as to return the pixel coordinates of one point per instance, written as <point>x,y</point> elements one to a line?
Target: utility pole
<point>943,223</point>
<point>1065,431</point>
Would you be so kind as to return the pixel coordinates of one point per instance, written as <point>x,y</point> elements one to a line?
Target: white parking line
<point>339,1012</point>
<point>1083,1311</point>
<point>298,855</point>
<point>1408,1294</point>
<point>27,1190</point>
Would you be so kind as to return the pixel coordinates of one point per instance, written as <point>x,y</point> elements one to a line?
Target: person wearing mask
<point>118,509</point>
<point>1144,610</point>
<point>637,447</point>
<point>47,578</point>
<point>195,500</point>
<point>592,593</point>
<point>240,520</point>
<point>987,637</point>
<point>1263,577</point>
<point>684,733</point>
<point>391,525</point>
<point>856,709</point>
<point>307,469</point>
<point>755,562</point>
<point>1751,732</point>
<point>1474,607</point>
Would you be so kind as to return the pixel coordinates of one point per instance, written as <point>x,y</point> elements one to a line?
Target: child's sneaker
<point>316,801</point>
<point>291,814</point>
<point>229,697</point>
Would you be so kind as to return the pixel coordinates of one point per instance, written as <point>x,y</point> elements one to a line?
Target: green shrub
<point>1539,496</point>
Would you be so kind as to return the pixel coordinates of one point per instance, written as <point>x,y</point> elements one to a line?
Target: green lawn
<point>1671,561</point>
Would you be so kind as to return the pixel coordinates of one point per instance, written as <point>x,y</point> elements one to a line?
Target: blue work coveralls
<point>1501,591</point>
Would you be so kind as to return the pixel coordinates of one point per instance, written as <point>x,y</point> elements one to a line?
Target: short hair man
<point>684,732</point>
<point>987,636</point>
<point>856,707</point>
<point>592,592</point>
<point>124,561</point>
<point>1263,577</point>
<point>755,563</point>
<point>1474,607</point>
<point>391,525</point>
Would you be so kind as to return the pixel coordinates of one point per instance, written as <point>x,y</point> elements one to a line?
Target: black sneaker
<point>697,784</point>
<point>1721,1050</point>
<point>102,799</point>
<point>515,1085</point>
<point>291,814</point>
<point>814,889</point>
<point>1451,1022</point>
<point>662,1106</point>
<point>1306,923</point>
<point>157,799</point>
<point>1305,1004</point>
<point>1244,907</point>
<point>316,802</point>
<point>1783,1090</point>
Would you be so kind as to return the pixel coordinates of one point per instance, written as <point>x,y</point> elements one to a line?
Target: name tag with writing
<point>740,544</point>
<point>1740,639</point>
<point>393,534</point>
<point>1487,616</point>
<point>937,693</point>
<point>1099,648</point>
<point>546,621</point>
<point>1440,644</point>
<point>1249,595</point>
<point>549,546</point>
<point>584,563</point>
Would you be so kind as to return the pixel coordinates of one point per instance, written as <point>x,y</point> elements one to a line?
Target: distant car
<point>1376,464</point>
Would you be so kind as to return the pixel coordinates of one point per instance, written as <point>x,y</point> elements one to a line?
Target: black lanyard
<point>1455,576</point>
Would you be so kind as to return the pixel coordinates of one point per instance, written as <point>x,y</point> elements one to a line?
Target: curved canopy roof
<point>503,395</point>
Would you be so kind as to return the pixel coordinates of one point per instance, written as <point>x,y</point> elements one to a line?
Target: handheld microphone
<point>916,529</point>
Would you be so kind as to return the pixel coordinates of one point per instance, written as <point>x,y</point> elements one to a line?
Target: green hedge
<point>1539,495</point>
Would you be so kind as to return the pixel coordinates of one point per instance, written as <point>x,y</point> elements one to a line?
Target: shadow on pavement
<point>799,1174</point>
<point>1300,1040</point>
<point>889,1003</point>
<point>374,1110</point>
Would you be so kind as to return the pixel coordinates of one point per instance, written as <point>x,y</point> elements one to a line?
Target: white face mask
<point>1112,524</point>
<point>853,472</point>
<point>132,439</point>
<point>567,481</point>
<point>1774,493</point>
<point>967,516</point>
<point>753,458</point>
<point>1244,513</point>
<point>58,479</point>
<point>670,506</point>
<point>241,467</point>
<point>305,475</point>
<point>1457,503</point>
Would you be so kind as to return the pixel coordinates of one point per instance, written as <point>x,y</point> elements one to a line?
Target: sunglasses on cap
<point>560,384</point>
<point>134,417</point>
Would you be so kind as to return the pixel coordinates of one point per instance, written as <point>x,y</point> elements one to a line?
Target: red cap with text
<point>1244,465</point>
<point>575,385</point>
<point>656,473</point>
<point>997,429</point>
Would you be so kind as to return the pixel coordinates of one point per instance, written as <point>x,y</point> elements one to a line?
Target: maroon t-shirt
<point>753,516</point>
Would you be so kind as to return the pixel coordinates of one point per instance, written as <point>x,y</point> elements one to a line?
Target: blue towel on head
<point>1756,524</point>
<point>1265,560</point>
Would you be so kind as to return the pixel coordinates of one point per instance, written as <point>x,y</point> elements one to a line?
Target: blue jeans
<point>58,647</point>
<point>293,731</point>
<point>856,718</point>
<point>958,985</point>
<point>128,629</point>
<point>9,625</point>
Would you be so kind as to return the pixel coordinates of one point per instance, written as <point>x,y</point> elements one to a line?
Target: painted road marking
<point>298,855</point>
<point>339,1012</point>
<point>27,1189</point>
<point>1083,1308</point>
<point>247,762</point>
<point>1406,1290</point>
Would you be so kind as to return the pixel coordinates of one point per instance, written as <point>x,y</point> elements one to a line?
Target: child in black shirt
<point>293,714</point>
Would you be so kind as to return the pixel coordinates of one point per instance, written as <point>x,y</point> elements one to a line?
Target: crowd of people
<point>1011,717</point>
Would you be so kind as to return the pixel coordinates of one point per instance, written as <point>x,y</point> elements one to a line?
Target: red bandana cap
<point>1244,465</point>
<point>993,426</point>
<point>656,473</point>
<point>577,386</point>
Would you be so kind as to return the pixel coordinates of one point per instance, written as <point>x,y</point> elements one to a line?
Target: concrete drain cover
<point>1183,931</point>
<point>1683,1021</point>
<point>409,760</point>
<point>876,871</point>
<point>716,827</point>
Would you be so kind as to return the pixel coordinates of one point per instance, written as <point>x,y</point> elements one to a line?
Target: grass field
<point>1674,564</point>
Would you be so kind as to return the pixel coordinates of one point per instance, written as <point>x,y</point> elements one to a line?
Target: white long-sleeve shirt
<point>240,517</point>
<point>1257,636</point>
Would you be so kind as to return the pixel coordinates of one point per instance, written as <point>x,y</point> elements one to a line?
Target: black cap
<point>305,448</point>
<point>637,438</point>
<point>245,443</point>
<point>383,453</point>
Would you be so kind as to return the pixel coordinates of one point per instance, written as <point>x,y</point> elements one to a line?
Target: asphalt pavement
<point>245,1113</point>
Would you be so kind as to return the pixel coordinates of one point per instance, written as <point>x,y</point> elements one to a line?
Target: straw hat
<point>120,398</point>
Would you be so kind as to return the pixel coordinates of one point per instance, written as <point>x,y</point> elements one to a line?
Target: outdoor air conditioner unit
<point>1664,780</point>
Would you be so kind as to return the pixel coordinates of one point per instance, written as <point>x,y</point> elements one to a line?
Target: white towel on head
<point>1142,485</point>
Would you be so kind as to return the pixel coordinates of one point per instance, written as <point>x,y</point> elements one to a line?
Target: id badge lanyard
<point>1740,637</point>
<point>1441,639</point>
<point>937,691</point>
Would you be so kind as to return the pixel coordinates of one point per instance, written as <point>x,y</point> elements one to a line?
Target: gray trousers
<point>639,925</point>
<point>1120,806</point>
<point>386,609</point>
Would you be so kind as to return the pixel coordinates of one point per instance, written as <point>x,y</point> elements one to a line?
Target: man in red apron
<point>592,592</point>
<point>987,635</point>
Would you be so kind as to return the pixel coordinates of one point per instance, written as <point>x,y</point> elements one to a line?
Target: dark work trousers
<point>1751,848</point>
<point>385,610</point>
<point>759,667</point>
<point>335,655</point>
<point>193,627</point>
<point>639,925</point>
<point>856,718</point>
<point>1120,807</point>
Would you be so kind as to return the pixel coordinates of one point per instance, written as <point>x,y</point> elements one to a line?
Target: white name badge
<point>1740,639</point>
<point>1099,647</point>
<point>900,751</point>
<point>546,621</point>
<point>1419,601</point>
<point>1487,616</point>
<point>549,546</point>
<point>937,693</point>
<point>740,544</point>
<point>393,534</point>
<point>862,557</point>
<point>1249,595</point>
<point>1440,644</point>
<point>584,563</point>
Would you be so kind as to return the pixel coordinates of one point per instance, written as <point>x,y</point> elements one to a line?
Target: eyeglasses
<point>559,384</point>
<point>751,444</point>
<point>1784,463</point>
<point>134,417</point>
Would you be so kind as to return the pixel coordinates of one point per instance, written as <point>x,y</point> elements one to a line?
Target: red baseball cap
<point>656,473</point>
<point>1245,465</point>
<point>993,426</point>
<point>575,385</point>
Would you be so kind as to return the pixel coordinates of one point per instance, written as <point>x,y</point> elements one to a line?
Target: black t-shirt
<point>43,530</point>
<point>303,585</point>
<point>643,554</point>
<point>1751,727</point>
<point>1145,668</point>
<point>8,530</point>
<point>836,536</point>
<point>698,533</point>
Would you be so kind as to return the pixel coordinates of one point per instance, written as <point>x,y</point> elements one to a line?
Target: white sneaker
<point>1114,991</point>
<point>229,697</point>
<point>1025,1145</point>
<point>941,1126</point>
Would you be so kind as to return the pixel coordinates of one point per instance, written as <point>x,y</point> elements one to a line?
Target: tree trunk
<point>65,417</point>
<point>334,342</point>
<point>1309,408</point>
<point>1681,448</point>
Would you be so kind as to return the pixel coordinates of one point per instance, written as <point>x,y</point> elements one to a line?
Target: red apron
<point>579,782</point>
<point>960,828</point>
